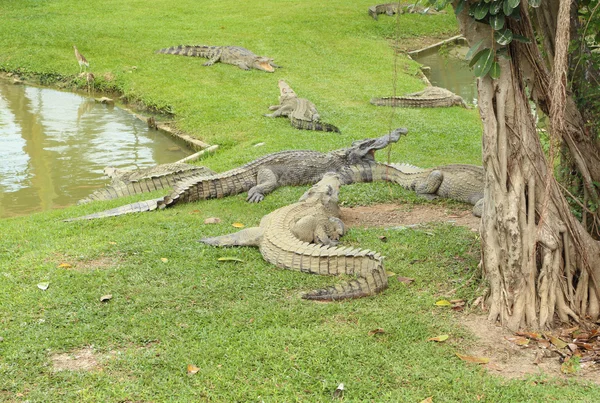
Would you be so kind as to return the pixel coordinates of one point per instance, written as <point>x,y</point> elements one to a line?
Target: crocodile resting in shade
<point>399,8</point>
<point>260,177</point>
<point>303,237</point>
<point>430,97</point>
<point>301,112</point>
<point>236,55</point>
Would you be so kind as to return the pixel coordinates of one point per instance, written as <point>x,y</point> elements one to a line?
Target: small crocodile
<point>430,97</point>
<point>127,183</point>
<point>399,8</point>
<point>262,176</point>
<point>236,55</point>
<point>459,182</point>
<point>301,112</point>
<point>303,235</point>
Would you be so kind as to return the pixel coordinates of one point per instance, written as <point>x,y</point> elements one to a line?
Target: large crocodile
<point>301,112</point>
<point>430,97</point>
<point>459,182</point>
<point>127,183</point>
<point>399,8</point>
<point>260,177</point>
<point>302,237</point>
<point>236,55</point>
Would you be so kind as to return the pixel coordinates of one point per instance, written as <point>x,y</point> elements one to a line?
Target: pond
<point>450,70</point>
<point>55,145</point>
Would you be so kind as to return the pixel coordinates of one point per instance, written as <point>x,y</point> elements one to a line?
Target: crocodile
<point>301,112</point>
<point>303,237</point>
<point>430,97</point>
<point>459,182</point>
<point>263,175</point>
<point>127,183</point>
<point>399,8</point>
<point>236,55</point>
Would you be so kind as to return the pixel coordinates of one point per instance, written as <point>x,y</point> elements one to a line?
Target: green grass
<point>242,323</point>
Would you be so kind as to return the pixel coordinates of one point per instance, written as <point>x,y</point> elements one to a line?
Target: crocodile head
<point>364,150</point>
<point>264,64</point>
<point>285,91</point>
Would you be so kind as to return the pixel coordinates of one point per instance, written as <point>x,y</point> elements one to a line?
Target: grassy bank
<point>241,323</point>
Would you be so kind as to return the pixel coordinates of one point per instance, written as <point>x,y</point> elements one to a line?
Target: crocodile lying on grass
<point>302,237</point>
<point>459,182</point>
<point>430,97</point>
<point>262,176</point>
<point>301,112</point>
<point>399,8</point>
<point>127,183</point>
<point>236,55</point>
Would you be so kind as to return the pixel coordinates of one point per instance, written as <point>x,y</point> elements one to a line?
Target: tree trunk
<point>538,259</point>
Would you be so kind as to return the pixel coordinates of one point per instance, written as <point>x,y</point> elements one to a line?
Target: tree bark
<point>538,259</point>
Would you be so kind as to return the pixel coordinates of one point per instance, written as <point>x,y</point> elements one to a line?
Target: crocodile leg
<point>266,182</point>
<point>243,66</point>
<point>274,107</point>
<point>245,237</point>
<point>215,58</point>
<point>283,110</point>
<point>430,186</point>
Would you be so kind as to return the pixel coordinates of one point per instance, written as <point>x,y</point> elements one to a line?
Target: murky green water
<point>54,147</point>
<point>450,70</point>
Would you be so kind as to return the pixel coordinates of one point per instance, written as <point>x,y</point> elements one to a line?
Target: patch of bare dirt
<point>78,360</point>
<point>512,361</point>
<point>393,215</point>
<point>78,264</point>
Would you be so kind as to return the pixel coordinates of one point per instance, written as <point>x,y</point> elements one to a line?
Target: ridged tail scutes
<point>139,207</point>
<point>185,50</point>
<point>371,284</point>
<point>313,125</point>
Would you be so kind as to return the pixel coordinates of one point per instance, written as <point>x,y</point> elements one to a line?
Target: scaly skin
<point>127,183</point>
<point>395,8</point>
<point>431,97</point>
<point>236,55</point>
<point>301,112</point>
<point>459,182</point>
<point>262,176</point>
<point>310,248</point>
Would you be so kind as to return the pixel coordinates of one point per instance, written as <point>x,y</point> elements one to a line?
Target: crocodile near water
<point>430,97</point>
<point>301,112</point>
<point>260,177</point>
<point>303,236</point>
<point>236,55</point>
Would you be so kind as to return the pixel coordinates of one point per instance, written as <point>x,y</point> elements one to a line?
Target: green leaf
<point>473,49</point>
<point>514,3</point>
<point>229,259</point>
<point>480,10</point>
<point>495,71</point>
<point>497,21</point>
<point>535,3</point>
<point>484,63</point>
<point>460,6</point>
<point>516,14</point>
<point>520,38</point>
<point>506,7</point>
<point>495,7</point>
<point>443,302</point>
<point>476,57</point>
<point>503,37</point>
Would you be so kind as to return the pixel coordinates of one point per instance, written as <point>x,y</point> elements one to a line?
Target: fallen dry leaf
<point>338,393</point>
<point>376,331</point>
<point>475,360</point>
<point>229,259</point>
<point>570,366</point>
<point>443,302</point>
<point>518,340</point>
<point>192,369</point>
<point>112,243</point>
<point>383,238</point>
<point>390,273</point>
<point>212,220</point>
<point>64,266</point>
<point>106,297</point>
<point>477,301</point>
<point>164,259</point>
<point>556,341</point>
<point>194,212</point>
<point>405,280</point>
<point>544,343</point>
<point>531,335</point>
<point>238,225</point>
<point>43,286</point>
<point>439,339</point>
<point>428,400</point>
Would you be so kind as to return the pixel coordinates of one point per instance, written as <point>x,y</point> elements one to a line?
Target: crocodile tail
<point>313,125</point>
<point>371,279</point>
<point>147,205</point>
<point>186,50</point>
